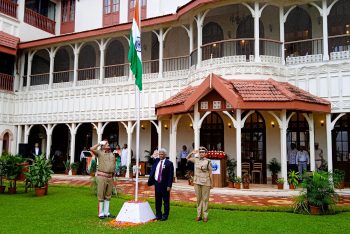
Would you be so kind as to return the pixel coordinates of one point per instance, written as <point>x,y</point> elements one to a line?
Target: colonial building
<point>245,77</point>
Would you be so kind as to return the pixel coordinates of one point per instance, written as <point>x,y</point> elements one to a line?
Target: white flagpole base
<point>135,212</point>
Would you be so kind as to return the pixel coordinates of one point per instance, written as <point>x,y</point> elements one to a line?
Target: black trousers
<point>183,166</point>
<point>162,195</point>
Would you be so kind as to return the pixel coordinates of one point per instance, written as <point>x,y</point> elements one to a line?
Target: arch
<point>245,29</point>
<point>63,65</point>
<point>37,134</point>
<point>5,143</point>
<point>341,145</point>
<point>88,60</point>
<point>40,68</point>
<point>111,133</point>
<point>253,140</point>
<point>84,136</point>
<point>60,146</point>
<point>298,27</point>
<point>7,131</point>
<point>298,131</point>
<point>154,55</point>
<point>114,58</point>
<point>212,32</point>
<point>339,24</point>
<point>212,132</point>
<point>171,46</point>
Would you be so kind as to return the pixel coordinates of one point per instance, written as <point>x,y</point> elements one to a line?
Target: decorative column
<point>329,128</point>
<point>52,63</point>
<point>310,120</point>
<point>26,133</point>
<point>49,140</point>
<point>256,15</point>
<point>102,46</point>
<point>1,145</point>
<point>73,133</point>
<point>196,127</point>
<point>238,126</point>
<point>161,43</point>
<point>324,14</point>
<point>23,61</point>
<point>199,20</point>
<point>19,137</point>
<point>29,68</point>
<point>76,63</point>
<point>283,131</point>
<point>282,21</point>
<point>99,132</point>
<point>173,133</point>
<point>159,130</point>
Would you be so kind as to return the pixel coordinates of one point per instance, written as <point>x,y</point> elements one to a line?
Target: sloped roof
<point>8,43</point>
<point>246,94</point>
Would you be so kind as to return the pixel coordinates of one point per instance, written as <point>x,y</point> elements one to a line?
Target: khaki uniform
<point>202,185</point>
<point>106,167</point>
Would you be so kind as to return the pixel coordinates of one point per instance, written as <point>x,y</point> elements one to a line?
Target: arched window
<point>341,145</point>
<point>339,24</point>
<point>212,32</point>
<point>298,27</point>
<point>114,57</point>
<point>298,131</point>
<point>212,132</point>
<point>87,63</point>
<point>6,143</point>
<point>246,30</point>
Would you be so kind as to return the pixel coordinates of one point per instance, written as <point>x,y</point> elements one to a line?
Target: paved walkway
<point>258,195</point>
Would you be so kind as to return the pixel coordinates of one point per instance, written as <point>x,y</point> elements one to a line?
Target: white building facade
<point>67,83</point>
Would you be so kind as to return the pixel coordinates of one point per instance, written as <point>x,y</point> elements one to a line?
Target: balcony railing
<point>117,70</point>
<point>339,43</point>
<point>63,76</point>
<point>176,63</point>
<point>150,66</point>
<point>6,82</point>
<point>89,73</point>
<point>303,47</point>
<point>39,79</point>
<point>39,21</point>
<point>193,57</point>
<point>8,8</point>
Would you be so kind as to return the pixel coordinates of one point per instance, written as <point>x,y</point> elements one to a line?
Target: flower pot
<point>40,191</point>
<point>12,190</point>
<point>315,210</point>
<point>291,186</point>
<point>280,186</point>
<point>46,188</point>
<point>74,172</point>
<point>24,168</point>
<point>341,185</point>
<point>246,185</point>
<point>231,184</point>
<point>238,185</point>
<point>2,189</point>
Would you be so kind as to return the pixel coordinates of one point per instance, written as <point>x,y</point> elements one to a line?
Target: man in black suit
<point>161,177</point>
<point>37,150</point>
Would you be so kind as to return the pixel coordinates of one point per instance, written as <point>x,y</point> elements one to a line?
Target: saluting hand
<point>168,189</point>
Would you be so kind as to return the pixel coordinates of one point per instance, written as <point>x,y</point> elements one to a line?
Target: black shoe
<point>110,216</point>
<point>158,218</point>
<point>164,218</point>
<point>101,217</point>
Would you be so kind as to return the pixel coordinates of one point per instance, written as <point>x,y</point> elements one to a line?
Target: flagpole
<point>137,97</point>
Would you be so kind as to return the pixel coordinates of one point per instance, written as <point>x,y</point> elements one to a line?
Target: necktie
<point>160,171</point>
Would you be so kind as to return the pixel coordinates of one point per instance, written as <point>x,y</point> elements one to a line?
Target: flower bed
<point>213,154</point>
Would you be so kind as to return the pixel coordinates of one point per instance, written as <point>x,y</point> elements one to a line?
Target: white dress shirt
<point>156,174</point>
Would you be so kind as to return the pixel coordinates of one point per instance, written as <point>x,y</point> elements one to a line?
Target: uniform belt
<point>104,174</point>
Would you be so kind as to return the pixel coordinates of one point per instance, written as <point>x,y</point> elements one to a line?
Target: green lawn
<point>74,210</point>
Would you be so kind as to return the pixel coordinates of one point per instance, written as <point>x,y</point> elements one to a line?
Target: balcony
<point>39,21</point>
<point>8,8</point>
<point>6,82</point>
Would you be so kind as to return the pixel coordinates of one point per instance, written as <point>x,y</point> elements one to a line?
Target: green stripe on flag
<point>135,63</point>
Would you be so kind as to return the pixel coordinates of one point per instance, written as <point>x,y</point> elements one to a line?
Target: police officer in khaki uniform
<point>203,181</point>
<point>104,177</point>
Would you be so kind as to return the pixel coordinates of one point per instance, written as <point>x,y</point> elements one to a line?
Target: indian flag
<point>134,54</point>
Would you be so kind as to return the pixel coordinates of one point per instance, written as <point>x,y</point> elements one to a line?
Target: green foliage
<point>67,165</point>
<point>2,168</point>
<point>293,178</point>
<point>12,168</point>
<point>274,166</point>
<point>237,179</point>
<point>231,166</point>
<point>280,180</point>
<point>39,172</point>
<point>74,166</point>
<point>318,191</point>
<point>338,177</point>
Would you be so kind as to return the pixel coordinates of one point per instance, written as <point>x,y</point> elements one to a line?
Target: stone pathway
<point>258,195</point>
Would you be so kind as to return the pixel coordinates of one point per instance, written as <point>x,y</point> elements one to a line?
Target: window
<point>132,7</point>
<point>298,131</point>
<point>111,6</point>
<point>68,10</point>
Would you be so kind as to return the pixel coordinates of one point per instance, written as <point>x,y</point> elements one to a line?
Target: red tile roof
<point>8,40</point>
<point>248,94</point>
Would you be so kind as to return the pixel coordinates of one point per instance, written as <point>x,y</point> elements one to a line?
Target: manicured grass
<point>74,210</point>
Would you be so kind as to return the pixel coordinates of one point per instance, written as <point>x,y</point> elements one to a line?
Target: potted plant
<point>246,180</point>
<point>280,183</point>
<point>231,165</point>
<point>74,166</point>
<point>318,194</point>
<point>66,167</point>
<point>293,179</point>
<point>238,182</point>
<point>39,174</point>
<point>338,179</point>
<point>123,171</point>
<point>13,170</point>
<point>2,172</point>
<point>275,167</point>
